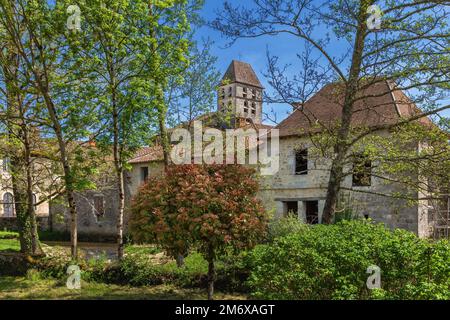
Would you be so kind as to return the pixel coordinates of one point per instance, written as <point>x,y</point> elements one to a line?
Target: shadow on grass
<point>44,289</point>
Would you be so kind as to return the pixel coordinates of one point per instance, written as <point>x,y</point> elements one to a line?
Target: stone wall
<point>89,222</point>
<point>10,223</point>
<point>14,264</point>
<point>285,186</point>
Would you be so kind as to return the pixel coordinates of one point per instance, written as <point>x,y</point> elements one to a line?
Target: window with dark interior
<point>291,208</point>
<point>312,212</point>
<point>362,170</point>
<point>245,107</point>
<point>301,162</point>
<point>99,206</point>
<point>144,174</point>
<point>8,205</point>
<point>253,108</point>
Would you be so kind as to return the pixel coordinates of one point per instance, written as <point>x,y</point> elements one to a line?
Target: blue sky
<point>253,51</point>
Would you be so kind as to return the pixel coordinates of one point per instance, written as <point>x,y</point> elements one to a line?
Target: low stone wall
<point>10,223</point>
<point>14,263</point>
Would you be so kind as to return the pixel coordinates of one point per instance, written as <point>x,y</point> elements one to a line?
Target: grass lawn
<point>22,288</point>
<point>9,241</point>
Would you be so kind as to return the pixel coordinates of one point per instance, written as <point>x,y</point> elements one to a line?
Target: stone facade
<point>280,191</point>
<point>95,220</point>
<point>10,223</point>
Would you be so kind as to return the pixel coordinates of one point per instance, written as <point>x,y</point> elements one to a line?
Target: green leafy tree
<point>196,95</point>
<point>46,48</point>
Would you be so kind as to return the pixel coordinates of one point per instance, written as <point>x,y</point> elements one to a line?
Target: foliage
<point>330,262</point>
<point>144,266</point>
<point>215,208</point>
<point>33,275</point>
<point>196,94</point>
<point>285,226</point>
<point>215,205</point>
<point>9,245</point>
<point>9,235</point>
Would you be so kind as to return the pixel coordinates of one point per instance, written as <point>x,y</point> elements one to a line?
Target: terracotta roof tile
<point>148,154</point>
<point>379,106</point>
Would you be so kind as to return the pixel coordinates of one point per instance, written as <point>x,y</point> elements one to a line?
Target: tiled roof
<point>380,106</point>
<point>243,73</point>
<point>148,154</point>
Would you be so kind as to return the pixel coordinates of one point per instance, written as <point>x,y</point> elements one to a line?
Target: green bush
<point>285,226</point>
<point>330,262</point>
<point>143,266</point>
<point>9,235</point>
<point>33,275</point>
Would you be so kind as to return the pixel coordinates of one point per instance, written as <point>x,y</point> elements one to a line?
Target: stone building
<point>299,187</point>
<point>7,207</point>
<point>301,183</point>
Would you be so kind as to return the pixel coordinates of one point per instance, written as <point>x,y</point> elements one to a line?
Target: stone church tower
<point>240,93</point>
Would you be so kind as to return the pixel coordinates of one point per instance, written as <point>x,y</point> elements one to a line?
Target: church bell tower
<point>240,93</point>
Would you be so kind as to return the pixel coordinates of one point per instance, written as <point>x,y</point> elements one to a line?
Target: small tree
<point>211,207</point>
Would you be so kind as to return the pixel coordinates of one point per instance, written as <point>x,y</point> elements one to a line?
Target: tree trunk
<point>26,219</point>
<point>120,185</point>
<point>31,209</point>
<point>351,89</point>
<point>211,273</point>
<point>68,179</point>
<point>180,260</point>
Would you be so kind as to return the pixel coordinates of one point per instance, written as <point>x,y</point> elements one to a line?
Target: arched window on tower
<point>8,205</point>
<point>245,107</point>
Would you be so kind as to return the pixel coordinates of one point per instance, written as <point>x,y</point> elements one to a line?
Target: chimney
<point>91,142</point>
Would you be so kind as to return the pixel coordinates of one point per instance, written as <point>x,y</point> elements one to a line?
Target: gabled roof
<point>241,72</point>
<point>381,105</point>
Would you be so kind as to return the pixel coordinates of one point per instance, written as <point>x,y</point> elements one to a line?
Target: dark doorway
<point>291,208</point>
<point>312,212</point>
